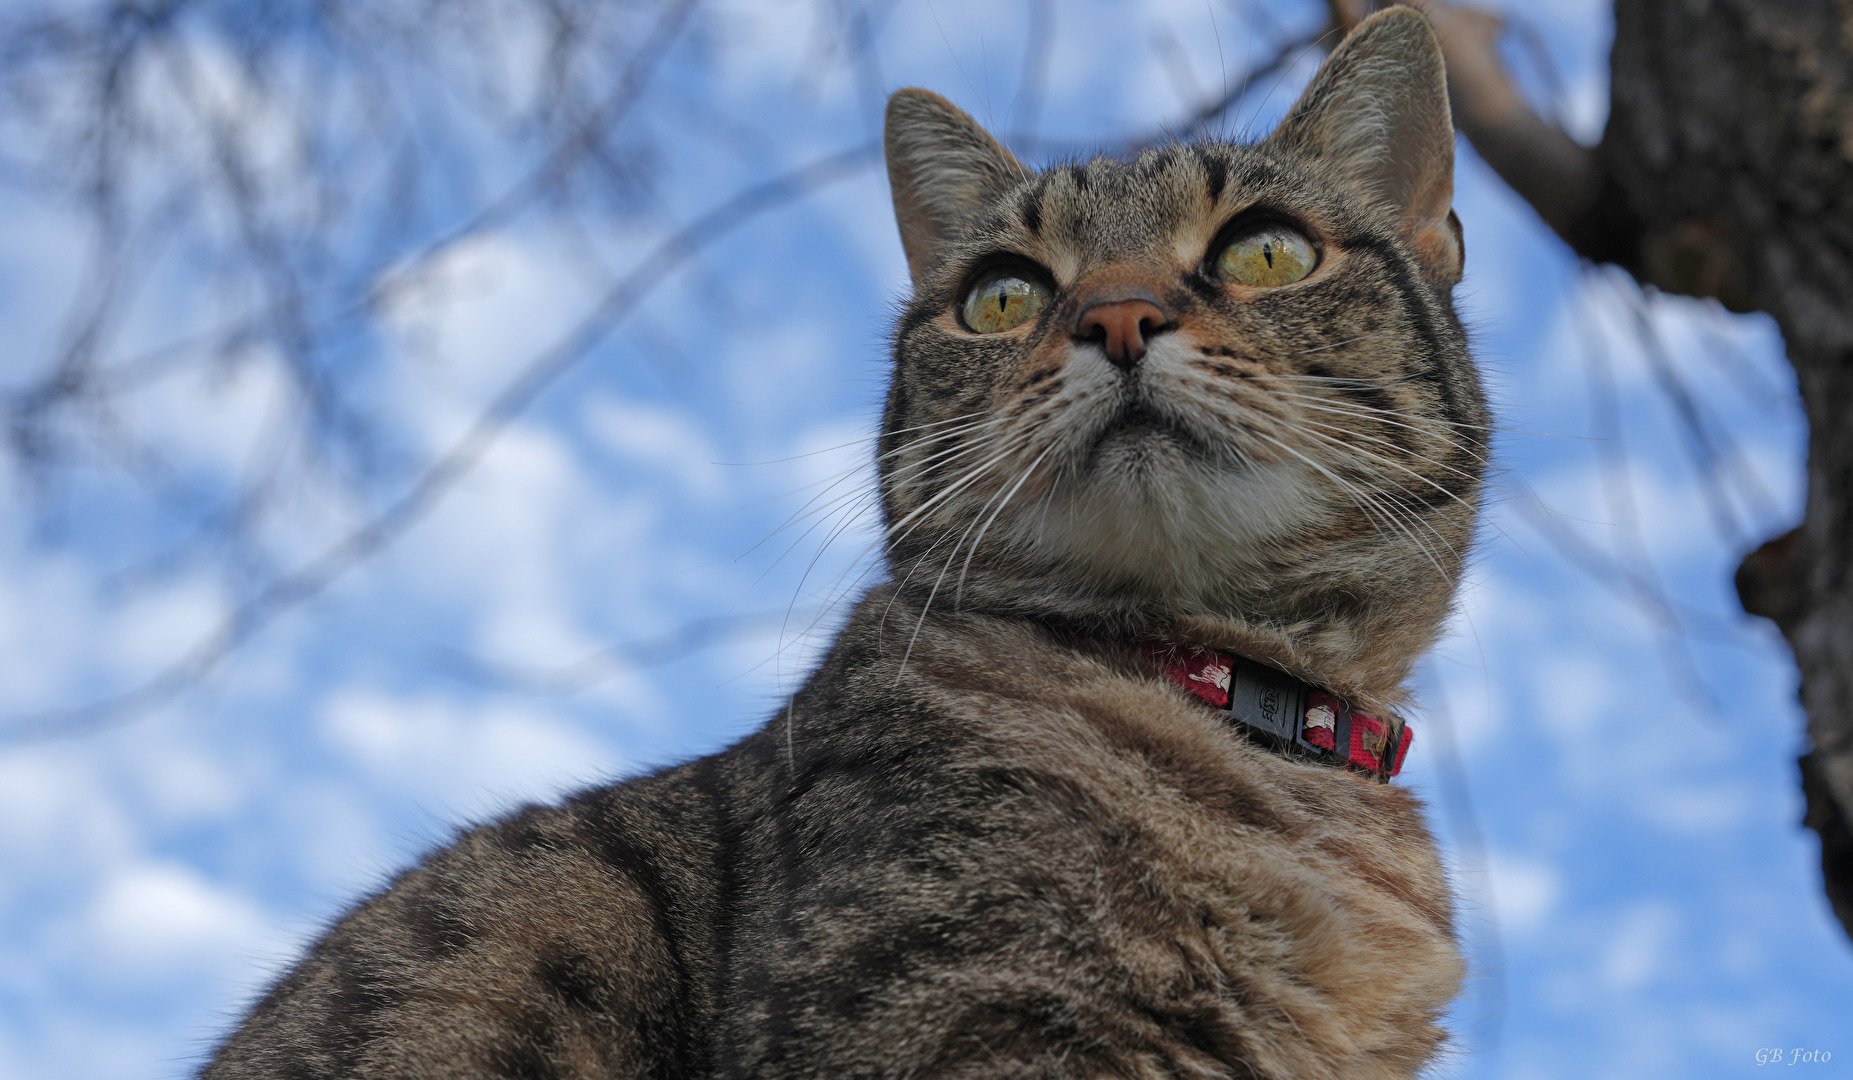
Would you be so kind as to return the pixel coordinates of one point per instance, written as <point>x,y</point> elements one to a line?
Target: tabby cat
<point>1158,430</point>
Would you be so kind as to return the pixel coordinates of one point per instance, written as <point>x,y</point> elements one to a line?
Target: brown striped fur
<point>986,838</point>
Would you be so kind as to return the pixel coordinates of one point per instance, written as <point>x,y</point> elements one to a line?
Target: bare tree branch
<point>1024,119</point>
<point>579,675</point>
<point>296,587</point>
<point>288,591</point>
<point>1618,486</point>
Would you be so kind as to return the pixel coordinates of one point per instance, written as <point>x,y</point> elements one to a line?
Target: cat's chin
<point>1154,512</point>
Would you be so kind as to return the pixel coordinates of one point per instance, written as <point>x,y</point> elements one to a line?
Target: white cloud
<point>468,321</point>
<point>185,781</point>
<point>1525,892</point>
<point>774,374</point>
<point>659,437</point>
<point>338,837</point>
<point>471,760</point>
<point>1584,108</point>
<point>57,811</point>
<point>1696,807</point>
<point>1664,506</point>
<point>525,544</point>
<point>767,43</point>
<point>46,620</point>
<point>1573,697</point>
<point>863,211</point>
<point>214,420</point>
<point>1638,944</point>
<point>151,919</point>
<point>159,627</point>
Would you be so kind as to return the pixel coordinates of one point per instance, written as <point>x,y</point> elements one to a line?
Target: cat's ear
<point>943,168</point>
<point>1378,111</point>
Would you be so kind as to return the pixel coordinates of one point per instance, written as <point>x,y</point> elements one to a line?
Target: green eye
<point>1266,256</point>
<point>1003,300</point>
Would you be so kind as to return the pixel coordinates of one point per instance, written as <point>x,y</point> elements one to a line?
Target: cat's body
<point>989,837</point>
<point>1043,862</point>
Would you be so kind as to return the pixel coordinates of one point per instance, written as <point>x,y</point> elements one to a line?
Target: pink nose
<point>1121,327</point>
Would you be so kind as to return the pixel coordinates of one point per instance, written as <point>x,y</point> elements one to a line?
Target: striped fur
<point>986,839</point>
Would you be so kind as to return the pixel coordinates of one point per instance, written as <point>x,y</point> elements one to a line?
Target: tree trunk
<point>1730,138</point>
<point>1726,170</point>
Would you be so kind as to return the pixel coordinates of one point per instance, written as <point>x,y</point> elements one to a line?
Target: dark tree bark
<point>1726,170</point>
<point>1730,137</point>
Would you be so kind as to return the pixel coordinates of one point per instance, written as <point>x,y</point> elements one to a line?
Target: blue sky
<point>1617,800</point>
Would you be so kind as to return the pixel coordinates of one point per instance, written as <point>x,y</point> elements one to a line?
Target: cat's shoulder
<point>556,932</point>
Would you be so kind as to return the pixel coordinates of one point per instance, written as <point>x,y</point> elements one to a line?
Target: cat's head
<point>1217,391</point>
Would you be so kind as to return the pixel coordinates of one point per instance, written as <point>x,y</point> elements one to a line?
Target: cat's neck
<point>1334,656</point>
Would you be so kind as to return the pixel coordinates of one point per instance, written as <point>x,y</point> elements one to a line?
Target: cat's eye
<point>1267,255</point>
<point>1002,300</point>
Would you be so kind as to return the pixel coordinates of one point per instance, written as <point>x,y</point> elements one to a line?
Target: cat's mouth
<point>1137,426</point>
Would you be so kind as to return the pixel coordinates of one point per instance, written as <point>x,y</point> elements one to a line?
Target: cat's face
<point>1218,381</point>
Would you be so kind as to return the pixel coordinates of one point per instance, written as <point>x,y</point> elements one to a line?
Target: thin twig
<point>1618,485</point>
<point>289,591</point>
<point>295,588</point>
<point>578,676</point>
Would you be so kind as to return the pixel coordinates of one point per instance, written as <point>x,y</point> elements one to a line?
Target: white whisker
<point>959,593</point>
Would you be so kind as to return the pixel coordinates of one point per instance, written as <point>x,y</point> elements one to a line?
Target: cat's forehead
<point>1108,208</point>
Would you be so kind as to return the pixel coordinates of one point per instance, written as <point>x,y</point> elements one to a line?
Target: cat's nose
<point>1122,328</point>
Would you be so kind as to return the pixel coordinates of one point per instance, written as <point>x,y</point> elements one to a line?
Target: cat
<point>1169,442</point>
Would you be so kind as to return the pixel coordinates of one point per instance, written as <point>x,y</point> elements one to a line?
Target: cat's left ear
<point>1378,110</point>
<point>943,168</point>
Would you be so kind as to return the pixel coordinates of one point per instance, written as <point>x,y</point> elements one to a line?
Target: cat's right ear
<point>943,168</point>
<point>1378,112</point>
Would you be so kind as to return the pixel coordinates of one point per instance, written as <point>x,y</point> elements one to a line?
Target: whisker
<point>1364,502</point>
<point>1315,429</point>
<point>970,477</point>
<point>1329,435</point>
<point>1381,416</point>
<point>958,594</point>
<point>1410,513</point>
<point>843,446</point>
<point>902,474</point>
<point>945,434</point>
<point>1333,345</point>
<point>1493,522</point>
<point>858,500</point>
<point>1368,409</point>
<point>1010,448</point>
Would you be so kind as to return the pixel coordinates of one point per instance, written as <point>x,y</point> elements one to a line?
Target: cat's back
<point>563,941</point>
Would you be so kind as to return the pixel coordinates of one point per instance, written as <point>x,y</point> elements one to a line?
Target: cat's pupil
<point>1267,252</point>
<point>1003,300</point>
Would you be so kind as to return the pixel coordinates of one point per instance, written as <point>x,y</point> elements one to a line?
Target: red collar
<point>1285,714</point>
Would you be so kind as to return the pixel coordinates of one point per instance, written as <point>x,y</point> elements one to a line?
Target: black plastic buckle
<point>1267,701</point>
<point>1270,705</point>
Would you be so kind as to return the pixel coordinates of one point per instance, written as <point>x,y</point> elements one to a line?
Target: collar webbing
<point>1285,714</point>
